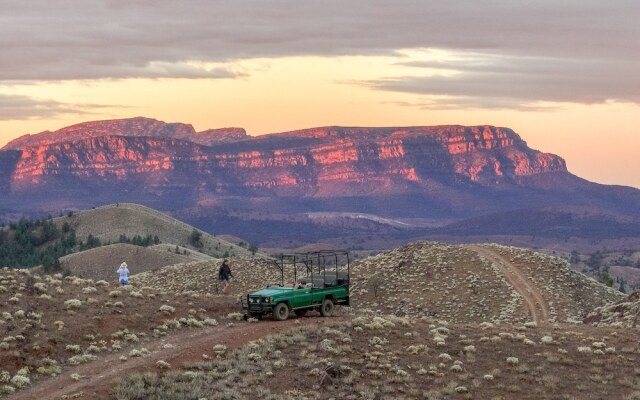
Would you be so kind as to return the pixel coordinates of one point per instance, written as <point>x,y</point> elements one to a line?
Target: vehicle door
<point>301,297</point>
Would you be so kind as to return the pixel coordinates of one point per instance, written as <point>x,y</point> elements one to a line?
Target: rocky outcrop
<point>131,127</point>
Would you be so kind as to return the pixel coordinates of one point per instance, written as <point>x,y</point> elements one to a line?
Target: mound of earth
<point>249,274</point>
<point>102,262</point>
<point>622,313</point>
<point>475,283</point>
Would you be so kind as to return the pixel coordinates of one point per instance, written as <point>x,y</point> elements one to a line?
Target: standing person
<point>224,275</point>
<point>123,274</point>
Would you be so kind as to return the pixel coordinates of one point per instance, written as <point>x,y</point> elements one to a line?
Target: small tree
<point>253,249</point>
<point>375,282</point>
<point>621,287</point>
<point>606,279</point>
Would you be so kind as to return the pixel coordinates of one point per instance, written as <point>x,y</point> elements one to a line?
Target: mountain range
<point>317,183</point>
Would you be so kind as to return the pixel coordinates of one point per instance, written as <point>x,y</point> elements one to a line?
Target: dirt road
<point>532,296</point>
<point>99,378</point>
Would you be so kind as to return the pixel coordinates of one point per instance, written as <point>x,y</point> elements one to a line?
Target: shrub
<point>20,381</point>
<point>166,309</point>
<point>80,359</point>
<point>7,389</point>
<point>72,303</point>
<point>546,340</point>
<point>513,361</point>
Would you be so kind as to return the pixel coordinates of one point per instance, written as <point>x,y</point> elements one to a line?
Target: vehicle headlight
<point>268,299</point>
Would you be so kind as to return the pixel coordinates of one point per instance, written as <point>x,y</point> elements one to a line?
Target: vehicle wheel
<point>300,313</point>
<point>281,312</point>
<point>326,309</point>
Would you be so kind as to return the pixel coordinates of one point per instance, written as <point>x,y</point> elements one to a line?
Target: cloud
<point>18,107</point>
<point>477,80</point>
<point>583,49</point>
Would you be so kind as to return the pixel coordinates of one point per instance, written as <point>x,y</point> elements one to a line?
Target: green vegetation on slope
<point>28,243</point>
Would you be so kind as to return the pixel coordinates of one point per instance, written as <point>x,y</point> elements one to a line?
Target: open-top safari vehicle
<point>321,281</point>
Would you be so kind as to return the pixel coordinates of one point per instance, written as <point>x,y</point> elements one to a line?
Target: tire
<point>326,309</point>
<point>281,312</point>
<point>300,313</point>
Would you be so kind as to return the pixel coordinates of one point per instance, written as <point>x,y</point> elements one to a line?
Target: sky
<point>564,75</point>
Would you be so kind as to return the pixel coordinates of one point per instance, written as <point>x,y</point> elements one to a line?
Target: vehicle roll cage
<point>315,265</point>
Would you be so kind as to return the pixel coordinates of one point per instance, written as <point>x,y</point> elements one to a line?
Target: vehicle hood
<point>270,292</point>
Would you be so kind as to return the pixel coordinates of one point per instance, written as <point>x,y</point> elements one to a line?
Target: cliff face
<point>320,162</point>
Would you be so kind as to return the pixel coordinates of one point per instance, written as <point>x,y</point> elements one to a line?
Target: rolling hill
<point>108,223</point>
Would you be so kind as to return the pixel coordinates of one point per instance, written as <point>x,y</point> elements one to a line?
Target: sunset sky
<point>565,75</point>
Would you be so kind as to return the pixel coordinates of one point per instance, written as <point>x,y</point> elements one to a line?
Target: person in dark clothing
<point>225,275</point>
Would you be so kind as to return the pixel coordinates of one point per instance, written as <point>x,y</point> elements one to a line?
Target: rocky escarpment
<point>322,162</point>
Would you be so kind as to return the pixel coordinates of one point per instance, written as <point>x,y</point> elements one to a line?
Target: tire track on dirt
<point>532,296</point>
<point>100,376</point>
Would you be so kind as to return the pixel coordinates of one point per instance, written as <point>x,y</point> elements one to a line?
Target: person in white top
<point>123,274</point>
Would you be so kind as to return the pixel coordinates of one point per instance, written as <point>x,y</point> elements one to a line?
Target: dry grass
<point>390,357</point>
<point>48,323</point>
<point>623,313</point>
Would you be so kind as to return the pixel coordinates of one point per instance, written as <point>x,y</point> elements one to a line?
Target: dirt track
<point>532,296</point>
<point>99,377</point>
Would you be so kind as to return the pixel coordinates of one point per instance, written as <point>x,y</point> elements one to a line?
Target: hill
<point>249,274</point>
<point>108,223</point>
<point>101,263</point>
<point>476,283</point>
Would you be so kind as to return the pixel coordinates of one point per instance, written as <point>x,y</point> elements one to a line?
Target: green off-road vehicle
<point>321,281</point>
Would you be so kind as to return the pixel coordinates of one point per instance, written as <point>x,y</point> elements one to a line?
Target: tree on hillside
<point>606,279</point>
<point>621,287</point>
<point>196,238</point>
<point>595,260</point>
<point>253,248</point>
